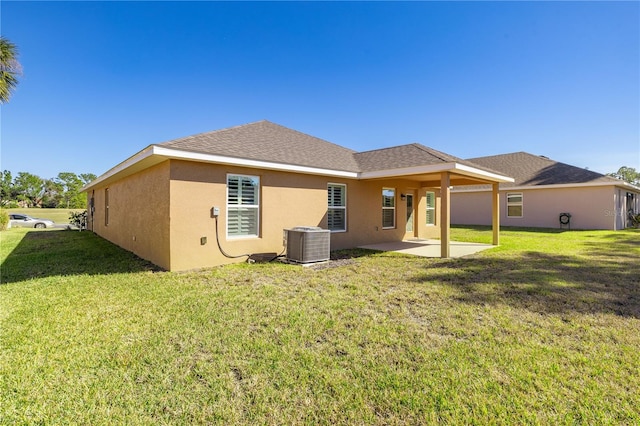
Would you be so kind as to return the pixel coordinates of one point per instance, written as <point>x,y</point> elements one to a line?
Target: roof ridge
<point>440,155</point>
<point>588,170</point>
<point>207,132</point>
<point>551,160</point>
<point>305,134</point>
<point>498,155</point>
<point>384,148</point>
<point>417,145</point>
<point>266,140</point>
<point>532,169</point>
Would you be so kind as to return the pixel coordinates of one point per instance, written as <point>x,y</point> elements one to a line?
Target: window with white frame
<point>337,207</point>
<point>514,204</point>
<point>243,205</point>
<point>388,208</point>
<point>431,208</point>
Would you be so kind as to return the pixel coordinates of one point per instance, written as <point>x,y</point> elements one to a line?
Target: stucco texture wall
<point>287,200</point>
<point>364,214</point>
<point>138,213</point>
<point>163,213</point>
<point>590,207</point>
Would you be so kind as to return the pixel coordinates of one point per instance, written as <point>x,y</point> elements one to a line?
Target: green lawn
<point>544,329</point>
<point>56,215</point>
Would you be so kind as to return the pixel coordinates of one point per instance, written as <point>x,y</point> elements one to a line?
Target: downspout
<point>92,208</point>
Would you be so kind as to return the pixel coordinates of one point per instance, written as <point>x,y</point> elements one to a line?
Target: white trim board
<point>621,184</point>
<point>155,154</point>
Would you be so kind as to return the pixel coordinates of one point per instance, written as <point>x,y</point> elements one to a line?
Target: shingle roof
<point>267,141</point>
<point>534,170</point>
<point>410,155</point>
<point>400,157</point>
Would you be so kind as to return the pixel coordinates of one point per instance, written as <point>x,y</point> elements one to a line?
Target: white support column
<point>495,207</point>
<point>445,214</point>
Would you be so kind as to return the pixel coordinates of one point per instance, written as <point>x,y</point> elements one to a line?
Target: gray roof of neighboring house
<point>535,170</point>
<point>267,141</point>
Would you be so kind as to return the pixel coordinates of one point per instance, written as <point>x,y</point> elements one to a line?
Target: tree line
<point>627,174</point>
<point>27,190</point>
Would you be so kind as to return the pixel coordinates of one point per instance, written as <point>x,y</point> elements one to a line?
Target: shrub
<point>4,219</point>
<point>11,204</point>
<point>78,219</point>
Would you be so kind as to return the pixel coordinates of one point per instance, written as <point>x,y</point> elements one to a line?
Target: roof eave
<point>131,162</point>
<point>452,167</point>
<point>628,185</point>
<point>155,154</point>
<point>177,154</point>
<point>621,184</point>
<point>483,174</point>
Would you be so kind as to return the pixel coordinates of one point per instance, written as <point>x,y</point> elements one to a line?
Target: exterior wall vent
<point>307,244</point>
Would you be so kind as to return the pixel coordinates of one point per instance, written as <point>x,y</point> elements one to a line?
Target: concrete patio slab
<point>429,248</point>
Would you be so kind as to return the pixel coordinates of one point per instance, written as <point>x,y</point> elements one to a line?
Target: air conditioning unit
<point>307,244</point>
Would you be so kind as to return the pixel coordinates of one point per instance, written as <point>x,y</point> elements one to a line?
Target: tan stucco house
<point>262,178</point>
<point>542,191</point>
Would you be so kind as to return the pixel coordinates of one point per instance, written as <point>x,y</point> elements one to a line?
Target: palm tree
<point>10,69</point>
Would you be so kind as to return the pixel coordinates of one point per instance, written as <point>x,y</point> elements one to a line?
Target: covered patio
<point>429,168</point>
<point>429,248</point>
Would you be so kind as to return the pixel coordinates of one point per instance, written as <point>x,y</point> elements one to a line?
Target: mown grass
<point>56,215</point>
<point>542,330</point>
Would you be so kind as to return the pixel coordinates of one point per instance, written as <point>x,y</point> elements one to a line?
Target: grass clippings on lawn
<point>544,329</point>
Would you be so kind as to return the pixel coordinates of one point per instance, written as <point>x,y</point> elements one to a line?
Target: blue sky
<point>103,80</point>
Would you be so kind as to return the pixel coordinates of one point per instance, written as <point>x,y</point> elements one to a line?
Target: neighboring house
<point>262,178</point>
<point>544,189</point>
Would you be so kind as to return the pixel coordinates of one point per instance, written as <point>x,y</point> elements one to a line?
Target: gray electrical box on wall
<point>215,211</point>
<point>307,244</point>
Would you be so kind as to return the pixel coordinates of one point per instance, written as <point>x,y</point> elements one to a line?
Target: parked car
<point>24,221</point>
